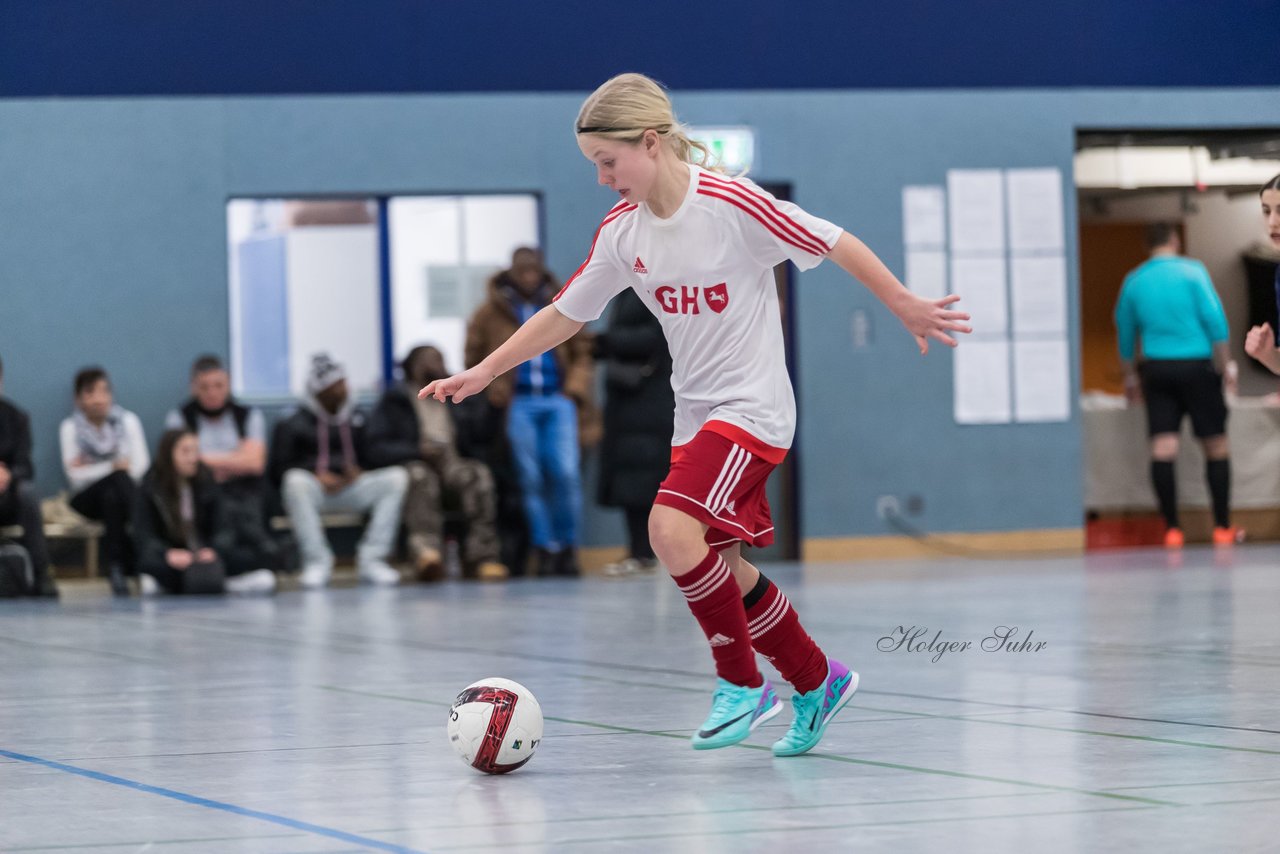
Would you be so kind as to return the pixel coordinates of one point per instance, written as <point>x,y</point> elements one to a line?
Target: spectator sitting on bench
<point>104,454</point>
<point>319,456</point>
<point>179,524</point>
<point>19,504</point>
<point>421,435</point>
<point>233,447</point>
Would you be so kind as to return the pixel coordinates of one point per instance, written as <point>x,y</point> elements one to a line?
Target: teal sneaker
<point>815,710</point>
<point>735,712</point>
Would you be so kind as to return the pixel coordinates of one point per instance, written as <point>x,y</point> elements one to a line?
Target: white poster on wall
<point>980,282</point>
<point>927,273</point>
<point>1041,380</point>
<point>1039,288</point>
<point>1035,210</point>
<point>976,210</point>
<point>981,380</point>
<point>924,217</point>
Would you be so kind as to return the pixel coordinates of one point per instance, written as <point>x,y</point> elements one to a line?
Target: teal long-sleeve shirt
<point>1171,303</point>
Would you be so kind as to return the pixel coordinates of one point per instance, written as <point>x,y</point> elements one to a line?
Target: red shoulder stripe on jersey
<point>812,250</point>
<point>765,205</point>
<point>617,211</point>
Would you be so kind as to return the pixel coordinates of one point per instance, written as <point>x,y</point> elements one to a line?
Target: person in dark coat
<point>19,503</point>
<point>179,522</point>
<point>422,436</point>
<point>635,453</point>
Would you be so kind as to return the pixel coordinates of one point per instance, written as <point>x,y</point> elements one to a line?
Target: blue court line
<point>196,800</point>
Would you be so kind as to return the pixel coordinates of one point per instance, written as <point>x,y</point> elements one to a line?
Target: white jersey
<point>706,272</point>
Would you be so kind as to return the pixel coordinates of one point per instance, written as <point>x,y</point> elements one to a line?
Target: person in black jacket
<point>421,435</point>
<point>319,457</point>
<point>179,521</point>
<point>19,504</point>
<point>233,447</point>
<point>635,454</point>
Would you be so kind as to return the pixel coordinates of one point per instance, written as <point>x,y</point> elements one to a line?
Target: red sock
<point>776,634</point>
<point>717,605</point>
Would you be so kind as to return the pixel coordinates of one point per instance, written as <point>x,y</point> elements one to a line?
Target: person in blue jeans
<point>549,407</point>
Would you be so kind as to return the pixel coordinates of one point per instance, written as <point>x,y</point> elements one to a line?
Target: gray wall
<point>112,250</point>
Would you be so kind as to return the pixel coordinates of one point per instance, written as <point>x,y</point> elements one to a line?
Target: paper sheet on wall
<point>1041,380</point>
<point>1035,210</point>
<point>927,273</point>
<point>980,282</point>
<point>981,378</point>
<point>1039,289</point>
<point>975,200</point>
<point>924,217</point>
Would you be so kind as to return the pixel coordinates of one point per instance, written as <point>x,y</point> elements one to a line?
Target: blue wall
<point>113,250</point>
<point>237,47</point>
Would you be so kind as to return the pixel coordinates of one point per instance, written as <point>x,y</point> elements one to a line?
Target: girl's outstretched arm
<point>923,318</point>
<point>545,330</point>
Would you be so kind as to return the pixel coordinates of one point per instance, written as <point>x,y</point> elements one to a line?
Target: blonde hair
<point>626,106</point>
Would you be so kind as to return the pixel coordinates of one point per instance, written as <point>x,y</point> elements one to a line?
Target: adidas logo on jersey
<point>639,267</point>
<point>720,640</point>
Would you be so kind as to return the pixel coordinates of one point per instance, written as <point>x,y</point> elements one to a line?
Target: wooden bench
<point>90,532</point>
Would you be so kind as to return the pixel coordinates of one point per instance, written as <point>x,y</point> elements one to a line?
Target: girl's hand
<point>459,386</point>
<point>178,558</point>
<point>1259,340</point>
<point>927,319</point>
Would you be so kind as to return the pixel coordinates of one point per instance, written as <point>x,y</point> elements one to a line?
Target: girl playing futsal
<point>699,248</point>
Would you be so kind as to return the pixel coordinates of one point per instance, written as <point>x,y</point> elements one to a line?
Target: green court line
<point>1148,738</point>
<point>1208,783</point>
<point>788,829</point>
<point>827,756</point>
<point>1240,801</point>
<point>193,622</point>
<point>969,718</point>
<point>730,811</point>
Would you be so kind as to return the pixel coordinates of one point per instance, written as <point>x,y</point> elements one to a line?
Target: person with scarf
<point>319,457</point>
<point>104,455</point>
<point>179,527</point>
<point>233,447</point>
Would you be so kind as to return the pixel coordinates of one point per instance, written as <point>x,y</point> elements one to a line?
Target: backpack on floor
<point>17,577</point>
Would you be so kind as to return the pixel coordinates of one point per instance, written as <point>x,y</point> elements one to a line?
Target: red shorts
<point>720,481</point>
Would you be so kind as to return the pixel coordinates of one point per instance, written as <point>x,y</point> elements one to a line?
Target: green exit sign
<point>733,147</point>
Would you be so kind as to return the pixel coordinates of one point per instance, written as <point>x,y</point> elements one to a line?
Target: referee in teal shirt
<point>1170,304</point>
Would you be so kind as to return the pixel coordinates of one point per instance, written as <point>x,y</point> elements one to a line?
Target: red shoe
<point>1228,536</point>
<point>1173,538</point>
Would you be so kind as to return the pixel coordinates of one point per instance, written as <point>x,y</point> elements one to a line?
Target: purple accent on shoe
<point>837,683</point>
<point>768,699</point>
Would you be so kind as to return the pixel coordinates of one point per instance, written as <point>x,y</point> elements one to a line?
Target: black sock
<point>756,593</point>
<point>1218,473</point>
<point>1166,490</point>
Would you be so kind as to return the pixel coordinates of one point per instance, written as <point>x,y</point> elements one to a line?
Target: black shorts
<point>1173,388</point>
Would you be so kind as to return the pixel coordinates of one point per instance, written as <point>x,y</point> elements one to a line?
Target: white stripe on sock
<point>713,579</point>
<point>768,614</point>
<point>777,619</point>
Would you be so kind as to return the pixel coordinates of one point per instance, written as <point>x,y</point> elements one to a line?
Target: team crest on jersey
<point>639,267</point>
<point>717,297</point>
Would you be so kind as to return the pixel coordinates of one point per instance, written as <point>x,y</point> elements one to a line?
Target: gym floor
<point>1140,714</point>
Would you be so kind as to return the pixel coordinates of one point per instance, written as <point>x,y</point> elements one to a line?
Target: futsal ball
<point>495,725</point>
